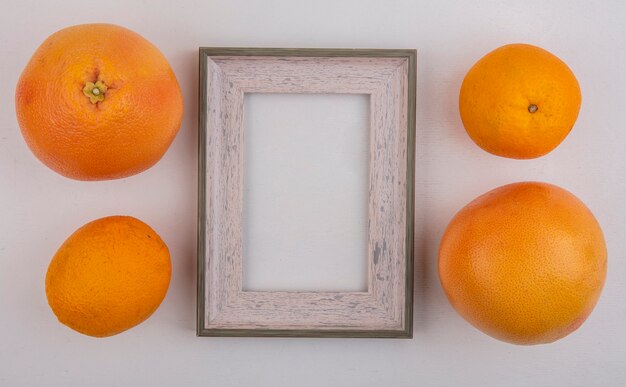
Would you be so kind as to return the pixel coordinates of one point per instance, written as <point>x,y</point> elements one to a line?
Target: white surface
<point>40,209</point>
<point>305,192</point>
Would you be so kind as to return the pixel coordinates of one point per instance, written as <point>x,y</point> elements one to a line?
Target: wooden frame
<point>385,309</point>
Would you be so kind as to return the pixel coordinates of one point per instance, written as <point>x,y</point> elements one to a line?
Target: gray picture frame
<point>216,288</point>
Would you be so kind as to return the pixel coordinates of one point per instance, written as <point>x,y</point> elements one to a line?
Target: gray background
<point>39,209</point>
<point>305,206</point>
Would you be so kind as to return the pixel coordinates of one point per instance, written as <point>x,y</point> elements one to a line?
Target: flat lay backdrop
<point>39,209</point>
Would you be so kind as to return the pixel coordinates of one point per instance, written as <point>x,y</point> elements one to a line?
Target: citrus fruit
<point>524,263</point>
<point>519,101</point>
<point>108,276</point>
<point>97,102</point>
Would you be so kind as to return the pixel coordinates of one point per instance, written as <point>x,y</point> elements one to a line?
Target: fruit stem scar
<point>532,108</point>
<point>95,91</point>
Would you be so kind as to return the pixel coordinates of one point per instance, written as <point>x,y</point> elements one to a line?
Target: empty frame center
<point>305,199</point>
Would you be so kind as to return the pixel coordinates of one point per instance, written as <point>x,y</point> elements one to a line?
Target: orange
<point>98,101</point>
<point>524,263</point>
<point>108,276</point>
<point>519,101</point>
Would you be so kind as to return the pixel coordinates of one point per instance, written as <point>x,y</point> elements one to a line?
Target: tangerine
<point>108,276</point>
<point>519,101</point>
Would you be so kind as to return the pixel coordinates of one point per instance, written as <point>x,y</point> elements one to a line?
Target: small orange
<point>519,101</point>
<point>97,102</point>
<point>524,263</point>
<point>108,276</point>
